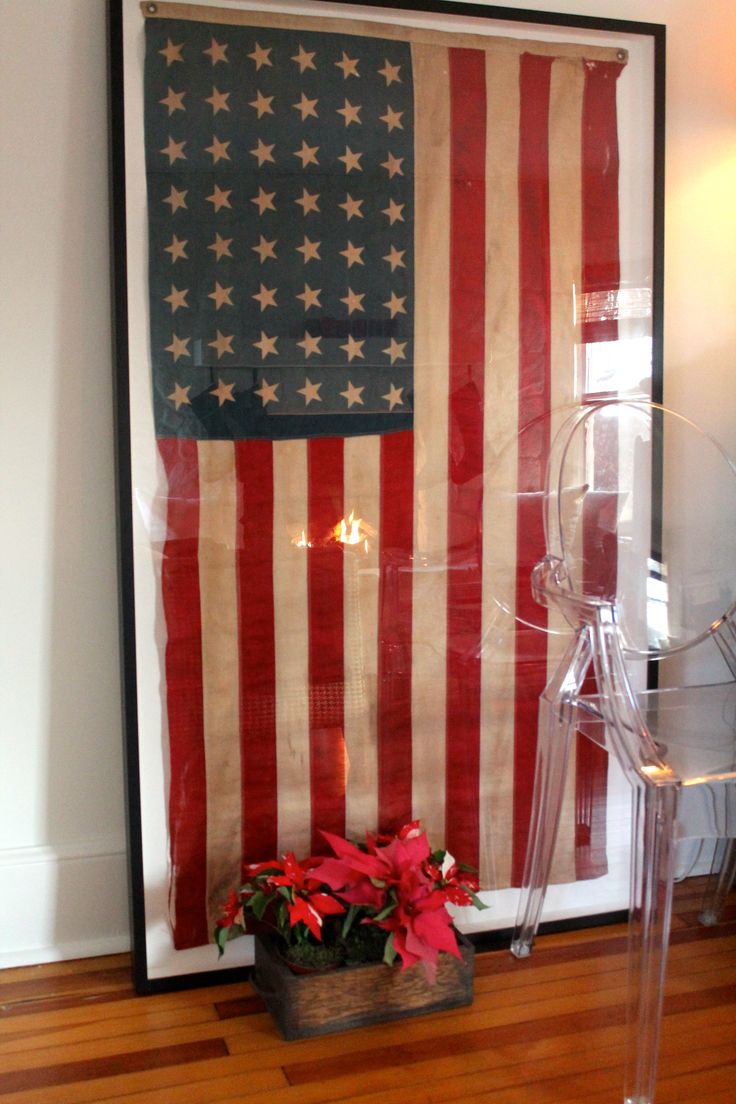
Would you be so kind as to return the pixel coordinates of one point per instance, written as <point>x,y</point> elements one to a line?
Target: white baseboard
<point>63,902</point>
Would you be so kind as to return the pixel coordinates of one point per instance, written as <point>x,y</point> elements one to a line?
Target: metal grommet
<point>621,55</point>
<point>151,8</point>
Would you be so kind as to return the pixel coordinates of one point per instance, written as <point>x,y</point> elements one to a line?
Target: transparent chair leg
<point>719,883</point>
<point>556,726</point>
<point>652,878</point>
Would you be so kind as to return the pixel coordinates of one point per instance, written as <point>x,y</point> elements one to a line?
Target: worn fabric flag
<point>366,247</point>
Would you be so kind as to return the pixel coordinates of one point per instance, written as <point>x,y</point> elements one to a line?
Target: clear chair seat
<point>694,727</point>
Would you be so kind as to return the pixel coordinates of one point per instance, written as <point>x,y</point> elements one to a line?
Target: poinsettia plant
<point>384,898</point>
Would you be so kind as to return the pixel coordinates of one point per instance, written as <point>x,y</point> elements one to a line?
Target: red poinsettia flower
<point>293,873</point>
<point>392,882</point>
<point>412,829</point>
<point>310,911</point>
<point>253,871</point>
<point>357,877</point>
<point>458,885</point>
<point>421,928</point>
<point>381,863</point>
<point>232,911</point>
<point>397,877</point>
<point>304,901</point>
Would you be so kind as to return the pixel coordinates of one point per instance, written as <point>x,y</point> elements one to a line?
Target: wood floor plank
<point>488,1013</point>
<point>546,1030</point>
<point>720,1075</point>
<point>93,1048</point>
<point>500,1011</point>
<point>682,959</point>
<point>140,1022</point>
<point>43,1015</point>
<point>98,981</point>
<point>243,1084</point>
<point>11,1014</point>
<point>107,1065</point>
<point>189,1080</point>
<point>67,968</point>
<point>518,1043</point>
<point>527,1056</point>
<point>583,1070</point>
<point>602,971</point>
<point>595,944</point>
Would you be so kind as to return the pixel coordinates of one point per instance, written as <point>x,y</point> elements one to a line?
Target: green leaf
<point>224,935</point>
<point>389,951</point>
<point>258,904</point>
<point>220,940</point>
<point>349,920</point>
<point>386,912</point>
<point>476,899</point>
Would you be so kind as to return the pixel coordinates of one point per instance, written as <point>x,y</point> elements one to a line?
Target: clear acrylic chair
<point>640,512</point>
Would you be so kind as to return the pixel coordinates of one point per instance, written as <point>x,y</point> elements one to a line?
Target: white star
<point>178,347</point>
<point>310,391</point>
<point>310,344</point>
<point>267,392</point>
<point>396,304</point>
<point>348,65</point>
<point>304,59</point>
<point>267,346</point>
<point>354,348</point>
<point>390,72</point>
<point>261,55</point>
<point>394,397</point>
<point>394,212</point>
<point>262,152</point>
<point>396,351</point>
<point>180,395</point>
<point>223,392</point>
<point>353,394</point>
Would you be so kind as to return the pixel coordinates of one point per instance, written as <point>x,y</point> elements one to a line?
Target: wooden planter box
<point>353,996</point>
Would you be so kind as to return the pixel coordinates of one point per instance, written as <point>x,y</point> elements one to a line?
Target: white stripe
<point>220,676</point>
<point>291,635</point>
<point>362,474</point>
<point>431,367</point>
<point>499,499</point>
<point>566,103</point>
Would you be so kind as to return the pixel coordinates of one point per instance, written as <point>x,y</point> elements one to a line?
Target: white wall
<point>62,835</point>
<point>62,878</point>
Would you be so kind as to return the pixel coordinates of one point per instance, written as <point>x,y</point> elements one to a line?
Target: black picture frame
<point>126,65</point>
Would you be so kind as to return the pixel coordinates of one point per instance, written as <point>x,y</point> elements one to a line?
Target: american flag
<point>365,245</point>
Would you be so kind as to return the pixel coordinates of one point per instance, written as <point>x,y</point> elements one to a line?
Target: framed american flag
<point>360,250</point>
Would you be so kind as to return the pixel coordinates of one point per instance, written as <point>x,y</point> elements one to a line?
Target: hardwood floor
<point>544,1031</point>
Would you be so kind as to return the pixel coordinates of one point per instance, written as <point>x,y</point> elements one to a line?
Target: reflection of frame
<point>357,252</point>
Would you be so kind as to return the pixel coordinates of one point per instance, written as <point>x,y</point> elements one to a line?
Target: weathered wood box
<point>354,996</point>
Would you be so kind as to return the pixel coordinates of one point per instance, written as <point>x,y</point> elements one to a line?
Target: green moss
<point>364,943</point>
<point>315,956</point>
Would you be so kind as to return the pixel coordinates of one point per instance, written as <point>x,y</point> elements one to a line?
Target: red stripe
<point>601,276</point>
<point>534,402</point>
<point>394,631</point>
<point>184,700</point>
<point>257,653</point>
<point>465,461</point>
<point>326,638</point>
<point>601,267</point>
